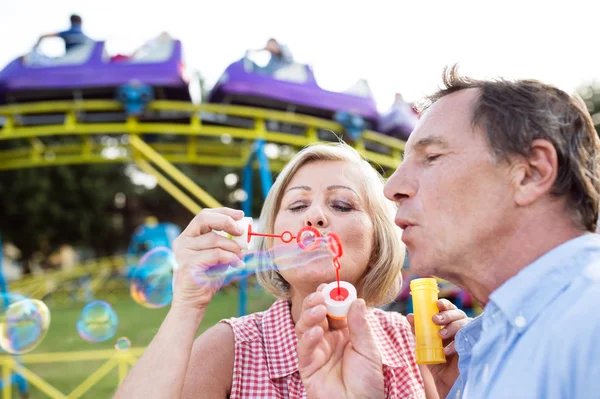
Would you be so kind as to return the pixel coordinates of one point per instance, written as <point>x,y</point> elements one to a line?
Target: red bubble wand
<point>305,234</point>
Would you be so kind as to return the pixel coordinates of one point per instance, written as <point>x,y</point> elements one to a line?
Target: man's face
<point>454,200</point>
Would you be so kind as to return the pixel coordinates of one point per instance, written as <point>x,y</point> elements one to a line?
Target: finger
<point>450,349</point>
<point>209,241</point>
<point>307,356</point>
<point>212,258</point>
<point>361,335</point>
<point>411,320</point>
<point>451,329</point>
<point>236,214</point>
<point>448,316</point>
<point>216,219</point>
<point>321,287</point>
<point>312,317</point>
<point>444,304</point>
<point>312,300</point>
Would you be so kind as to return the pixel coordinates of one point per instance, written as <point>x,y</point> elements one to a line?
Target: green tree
<point>42,208</point>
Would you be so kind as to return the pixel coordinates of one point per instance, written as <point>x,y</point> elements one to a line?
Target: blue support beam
<point>15,379</point>
<point>266,181</point>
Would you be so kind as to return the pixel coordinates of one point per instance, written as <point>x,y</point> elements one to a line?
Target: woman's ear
<point>534,175</point>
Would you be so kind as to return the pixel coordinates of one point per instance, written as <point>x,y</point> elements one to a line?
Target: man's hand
<point>451,319</point>
<point>338,358</point>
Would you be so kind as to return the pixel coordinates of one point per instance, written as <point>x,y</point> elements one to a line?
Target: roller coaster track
<point>168,133</point>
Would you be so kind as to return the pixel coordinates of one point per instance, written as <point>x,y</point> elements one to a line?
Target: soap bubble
<point>151,283</point>
<point>97,322</point>
<point>123,344</point>
<point>24,323</point>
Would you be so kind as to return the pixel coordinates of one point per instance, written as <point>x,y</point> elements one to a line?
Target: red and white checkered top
<point>266,362</point>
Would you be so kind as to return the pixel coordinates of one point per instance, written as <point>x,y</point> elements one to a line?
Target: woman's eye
<point>297,207</point>
<point>342,207</point>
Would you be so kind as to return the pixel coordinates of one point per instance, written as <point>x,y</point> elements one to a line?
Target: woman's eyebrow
<point>306,188</point>
<point>338,186</point>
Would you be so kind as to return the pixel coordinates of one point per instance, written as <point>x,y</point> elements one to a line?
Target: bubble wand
<point>339,294</point>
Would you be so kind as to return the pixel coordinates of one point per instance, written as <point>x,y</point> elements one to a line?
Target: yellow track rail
<point>201,146</point>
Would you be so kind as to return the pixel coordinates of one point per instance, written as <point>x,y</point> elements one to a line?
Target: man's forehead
<point>441,122</point>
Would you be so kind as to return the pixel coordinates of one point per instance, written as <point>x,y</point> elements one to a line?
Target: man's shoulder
<point>574,313</point>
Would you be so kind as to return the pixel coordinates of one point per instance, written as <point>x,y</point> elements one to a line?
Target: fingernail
<point>447,350</point>
<point>440,317</point>
<point>443,332</point>
<point>313,310</point>
<point>310,297</point>
<point>363,305</point>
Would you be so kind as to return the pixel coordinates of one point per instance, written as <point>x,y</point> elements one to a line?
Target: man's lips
<point>403,223</point>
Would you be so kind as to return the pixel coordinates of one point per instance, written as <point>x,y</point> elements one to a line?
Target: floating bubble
<point>123,344</point>
<point>281,257</point>
<point>97,322</point>
<point>24,323</point>
<point>151,282</point>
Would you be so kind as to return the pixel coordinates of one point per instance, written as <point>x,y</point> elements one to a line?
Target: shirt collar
<point>523,297</point>
<point>280,340</point>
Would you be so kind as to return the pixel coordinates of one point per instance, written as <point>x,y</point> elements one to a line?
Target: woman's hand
<point>203,256</point>
<point>338,359</point>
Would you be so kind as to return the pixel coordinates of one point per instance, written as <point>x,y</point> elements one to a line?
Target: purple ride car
<point>88,72</point>
<point>291,88</point>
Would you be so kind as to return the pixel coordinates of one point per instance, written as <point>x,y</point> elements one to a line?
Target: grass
<point>137,323</point>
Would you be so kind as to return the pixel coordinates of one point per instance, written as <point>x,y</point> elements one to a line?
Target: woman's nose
<point>316,217</point>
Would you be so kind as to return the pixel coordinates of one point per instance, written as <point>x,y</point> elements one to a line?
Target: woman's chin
<point>308,276</point>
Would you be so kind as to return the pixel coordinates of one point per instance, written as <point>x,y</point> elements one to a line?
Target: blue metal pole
<point>2,281</point>
<point>247,180</point>
<point>14,377</point>
<point>266,178</point>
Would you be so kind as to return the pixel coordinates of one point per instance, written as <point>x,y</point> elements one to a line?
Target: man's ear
<point>535,175</point>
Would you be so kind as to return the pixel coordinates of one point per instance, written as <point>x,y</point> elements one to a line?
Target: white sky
<point>395,45</point>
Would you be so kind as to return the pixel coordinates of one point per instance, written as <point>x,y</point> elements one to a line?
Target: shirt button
<point>520,321</point>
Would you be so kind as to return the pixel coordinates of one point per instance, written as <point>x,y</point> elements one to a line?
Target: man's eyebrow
<point>427,141</point>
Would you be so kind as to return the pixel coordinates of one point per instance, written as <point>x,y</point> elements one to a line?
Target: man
<point>280,57</point>
<point>72,37</point>
<point>498,193</point>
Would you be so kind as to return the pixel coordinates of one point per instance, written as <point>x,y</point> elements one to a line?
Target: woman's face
<point>327,196</point>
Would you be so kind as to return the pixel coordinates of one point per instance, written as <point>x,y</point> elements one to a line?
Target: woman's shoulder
<point>392,327</point>
<point>390,320</point>
<point>250,327</point>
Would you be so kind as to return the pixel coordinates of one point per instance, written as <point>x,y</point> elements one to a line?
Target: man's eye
<point>431,158</point>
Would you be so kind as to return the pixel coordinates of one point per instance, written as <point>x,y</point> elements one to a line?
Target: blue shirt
<point>279,61</point>
<point>539,334</point>
<point>73,37</point>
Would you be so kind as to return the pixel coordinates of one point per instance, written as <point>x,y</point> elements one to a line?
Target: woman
<point>328,187</point>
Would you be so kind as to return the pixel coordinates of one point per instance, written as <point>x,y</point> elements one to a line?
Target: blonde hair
<point>382,279</point>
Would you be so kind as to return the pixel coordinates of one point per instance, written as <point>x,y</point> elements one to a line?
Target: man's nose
<point>399,187</point>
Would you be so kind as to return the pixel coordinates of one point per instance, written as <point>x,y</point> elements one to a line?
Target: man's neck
<point>510,254</point>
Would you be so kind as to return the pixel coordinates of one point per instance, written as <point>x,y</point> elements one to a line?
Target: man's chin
<point>421,268</point>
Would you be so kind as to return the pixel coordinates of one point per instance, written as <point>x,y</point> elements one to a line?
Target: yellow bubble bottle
<point>429,346</point>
